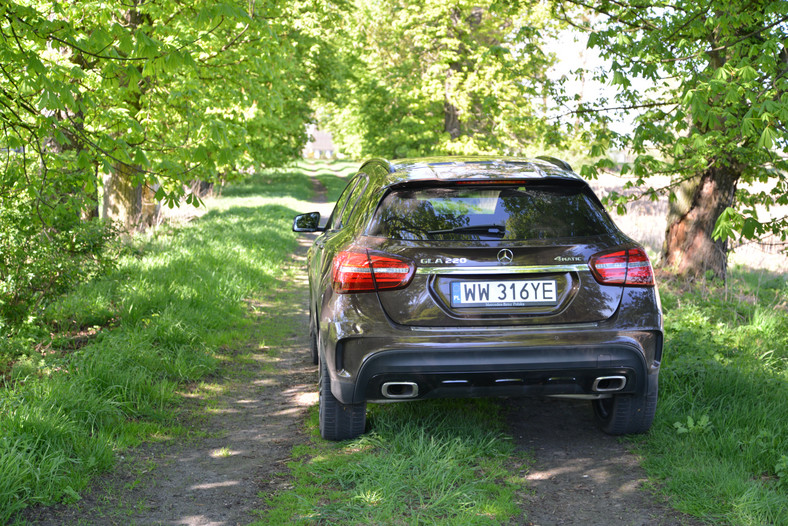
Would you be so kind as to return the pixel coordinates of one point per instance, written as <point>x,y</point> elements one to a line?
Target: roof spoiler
<point>557,162</point>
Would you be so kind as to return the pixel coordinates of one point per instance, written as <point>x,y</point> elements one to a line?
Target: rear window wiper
<point>495,230</point>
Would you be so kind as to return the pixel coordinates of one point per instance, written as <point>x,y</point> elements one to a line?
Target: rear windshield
<point>506,212</point>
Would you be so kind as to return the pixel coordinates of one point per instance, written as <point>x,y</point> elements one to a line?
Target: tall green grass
<point>719,445</point>
<point>443,462</point>
<point>123,344</point>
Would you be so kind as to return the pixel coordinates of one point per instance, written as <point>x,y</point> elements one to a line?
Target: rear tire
<point>313,343</point>
<point>626,414</point>
<point>338,421</point>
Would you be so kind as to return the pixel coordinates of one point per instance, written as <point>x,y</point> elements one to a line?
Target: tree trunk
<point>90,210</point>
<point>452,115</point>
<point>689,247</point>
<point>132,205</point>
<point>121,199</point>
<point>451,118</point>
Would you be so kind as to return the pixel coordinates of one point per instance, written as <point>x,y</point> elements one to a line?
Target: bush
<point>41,257</point>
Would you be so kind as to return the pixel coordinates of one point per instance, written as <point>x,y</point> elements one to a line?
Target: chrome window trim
<point>492,270</point>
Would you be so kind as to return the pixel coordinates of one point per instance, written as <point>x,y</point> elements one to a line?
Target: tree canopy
<point>441,77</point>
<point>179,90</point>
<point>139,97</point>
<point>712,117</point>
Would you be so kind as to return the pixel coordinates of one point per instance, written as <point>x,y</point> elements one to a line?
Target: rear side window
<point>353,200</point>
<point>339,215</point>
<point>501,212</point>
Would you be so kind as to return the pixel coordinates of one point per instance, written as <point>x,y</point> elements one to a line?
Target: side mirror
<point>307,222</point>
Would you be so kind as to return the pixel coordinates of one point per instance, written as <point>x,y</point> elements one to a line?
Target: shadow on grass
<point>341,168</point>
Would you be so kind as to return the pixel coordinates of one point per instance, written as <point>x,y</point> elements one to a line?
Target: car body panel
<point>416,337</point>
<point>579,297</point>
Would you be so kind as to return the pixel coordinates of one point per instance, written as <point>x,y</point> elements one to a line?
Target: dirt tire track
<point>216,477</point>
<point>581,476</point>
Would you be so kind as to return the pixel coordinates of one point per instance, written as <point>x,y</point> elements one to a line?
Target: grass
<point>443,462</point>
<point>122,346</point>
<point>719,446</point>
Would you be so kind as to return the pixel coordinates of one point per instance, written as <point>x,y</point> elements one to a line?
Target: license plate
<point>509,293</point>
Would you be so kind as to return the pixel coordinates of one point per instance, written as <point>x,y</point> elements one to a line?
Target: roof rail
<point>381,161</point>
<point>558,162</point>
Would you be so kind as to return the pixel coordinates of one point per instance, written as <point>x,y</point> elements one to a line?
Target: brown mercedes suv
<point>467,277</point>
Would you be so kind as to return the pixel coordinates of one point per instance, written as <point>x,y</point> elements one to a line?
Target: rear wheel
<point>626,414</point>
<point>338,421</point>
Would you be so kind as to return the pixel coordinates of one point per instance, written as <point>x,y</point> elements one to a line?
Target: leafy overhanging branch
<point>717,101</point>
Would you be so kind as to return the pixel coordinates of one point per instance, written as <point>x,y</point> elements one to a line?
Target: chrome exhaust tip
<point>609,384</point>
<point>400,390</point>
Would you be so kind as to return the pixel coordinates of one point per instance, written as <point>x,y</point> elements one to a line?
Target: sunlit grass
<point>123,345</point>
<point>442,462</point>
<point>721,431</point>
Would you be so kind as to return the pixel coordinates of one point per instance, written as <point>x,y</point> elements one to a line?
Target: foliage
<point>178,91</point>
<point>160,92</point>
<point>435,77</point>
<point>720,438</point>
<point>705,84</point>
<point>36,264</point>
<point>122,344</point>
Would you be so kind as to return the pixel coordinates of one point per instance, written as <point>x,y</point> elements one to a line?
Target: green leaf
<point>125,40</point>
<point>619,79</point>
<point>748,74</point>
<point>726,225</point>
<point>145,46</point>
<point>140,159</point>
<point>767,138</point>
<point>84,159</point>
<point>49,100</point>
<point>751,225</point>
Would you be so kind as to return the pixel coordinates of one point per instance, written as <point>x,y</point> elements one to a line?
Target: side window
<point>353,200</point>
<point>333,220</point>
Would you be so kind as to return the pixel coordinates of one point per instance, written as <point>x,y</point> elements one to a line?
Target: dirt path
<point>219,476</point>
<point>241,440</point>
<point>579,475</point>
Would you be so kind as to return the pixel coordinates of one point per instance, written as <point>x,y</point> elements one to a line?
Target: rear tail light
<point>363,271</point>
<point>625,267</point>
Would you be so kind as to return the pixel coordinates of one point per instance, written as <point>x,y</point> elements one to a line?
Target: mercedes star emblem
<point>505,256</point>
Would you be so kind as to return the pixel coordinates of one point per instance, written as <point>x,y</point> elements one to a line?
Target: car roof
<point>477,168</point>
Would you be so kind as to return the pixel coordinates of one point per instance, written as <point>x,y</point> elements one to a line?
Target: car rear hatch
<point>504,254</point>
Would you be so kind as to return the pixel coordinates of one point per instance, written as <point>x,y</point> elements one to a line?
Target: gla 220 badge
<point>443,261</point>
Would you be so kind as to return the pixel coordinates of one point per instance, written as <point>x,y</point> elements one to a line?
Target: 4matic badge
<point>573,259</point>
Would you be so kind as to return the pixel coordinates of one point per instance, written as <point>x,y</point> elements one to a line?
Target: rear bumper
<point>450,366</point>
<point>508,372</point>
<point>364,349</point>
